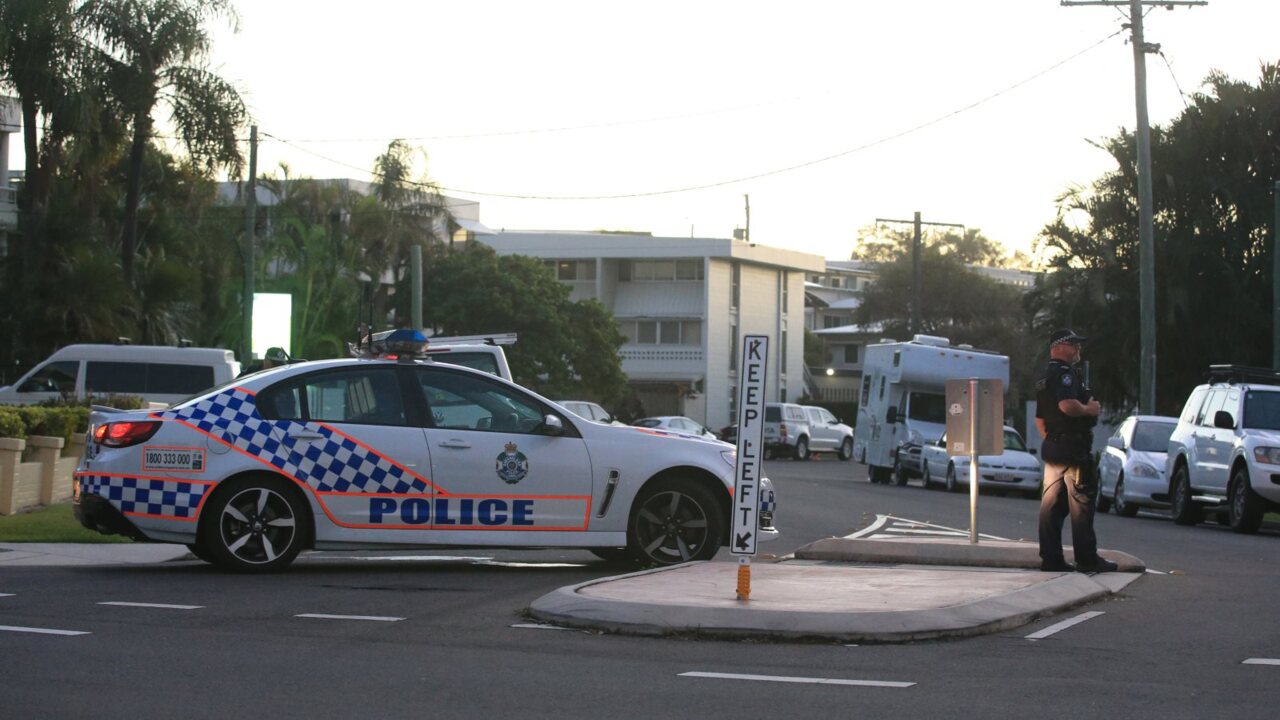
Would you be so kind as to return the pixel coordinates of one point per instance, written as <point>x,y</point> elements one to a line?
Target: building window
<point>735,287</point>
<point>661,270</point>
<point>733,347</point>
<point>782,350</point>
<point>786,287</point>
<point>851,354</point>
<point>570,270</point>
<point>830,321</point>
<point>733,403</point>
<point>662,332</point>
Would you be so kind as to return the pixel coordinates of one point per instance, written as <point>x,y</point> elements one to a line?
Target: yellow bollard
<point>744,578</point>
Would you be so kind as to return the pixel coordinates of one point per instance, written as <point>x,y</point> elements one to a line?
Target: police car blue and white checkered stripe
<point>147,496</point>
<point>332,463</point>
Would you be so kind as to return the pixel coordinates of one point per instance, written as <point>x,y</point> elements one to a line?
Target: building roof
<point>563,244</point>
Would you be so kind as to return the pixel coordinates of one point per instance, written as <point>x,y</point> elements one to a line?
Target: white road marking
<point>41,631</point>
<point>788,679</point>
<point>1059,627</point>
<point>539,626</point>
<point>912,531</point>
<point>164,606</point>
<point>879,523</point>
<point>6,594</point>
<point>375,618</point>
<point>1261,661</point>
<point>1156,572</point>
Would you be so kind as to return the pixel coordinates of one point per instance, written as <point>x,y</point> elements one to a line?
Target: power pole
<point>1146,228</point>
<point>917,277</point>
<point>250,246</point>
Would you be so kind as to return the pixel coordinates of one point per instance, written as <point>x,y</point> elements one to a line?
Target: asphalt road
<point>445,641</point>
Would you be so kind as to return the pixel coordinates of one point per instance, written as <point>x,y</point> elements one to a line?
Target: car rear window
<point>772,414</point>
<point>648,422</point>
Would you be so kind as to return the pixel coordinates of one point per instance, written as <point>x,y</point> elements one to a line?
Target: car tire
<point>899,473</point>
<point>846,449</point>
<point>768,453</point>
<point>675,521</point>
<point>1245,509</point>
<point>1184,510</point>
<point>614,555</point>
<point>1124,508</point>
<point>1104,502</point>
<point>201,554</point>
<point>255,524</point>
<point>925,477</point>
<point>952,485</point>
<point>802,449</point>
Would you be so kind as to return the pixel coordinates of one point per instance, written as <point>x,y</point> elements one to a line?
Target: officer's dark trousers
<point>1064,494</point>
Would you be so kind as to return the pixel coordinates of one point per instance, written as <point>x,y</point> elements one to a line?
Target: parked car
<point>1015,469</point>
<point>828,434</point>
<point>1131,469</point>
<point>1224,454</point>
<point>588,410</point>
<point>678,424</point>
<point>786,431</point>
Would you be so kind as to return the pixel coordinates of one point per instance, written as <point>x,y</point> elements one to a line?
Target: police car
<point>397,450</point>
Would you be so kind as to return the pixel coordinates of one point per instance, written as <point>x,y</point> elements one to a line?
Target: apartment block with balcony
<point>684,304</point>
<point>10,126</point>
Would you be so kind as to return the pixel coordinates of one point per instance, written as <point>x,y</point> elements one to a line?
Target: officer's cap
<point>276,354</point>
<point>1066,335</point>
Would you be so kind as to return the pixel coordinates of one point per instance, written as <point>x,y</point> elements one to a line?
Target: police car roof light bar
<point>1242,374</point>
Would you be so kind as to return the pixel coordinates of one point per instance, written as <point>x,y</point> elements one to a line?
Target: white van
<point>903,400</point>
<point>157,374</point>
<point>478,352</point>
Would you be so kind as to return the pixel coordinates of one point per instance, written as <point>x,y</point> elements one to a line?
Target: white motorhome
<point>903,401</point>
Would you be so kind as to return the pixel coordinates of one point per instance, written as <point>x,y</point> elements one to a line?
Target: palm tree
<point>154,52</point>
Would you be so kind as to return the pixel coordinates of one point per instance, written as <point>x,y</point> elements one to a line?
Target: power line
<point>756,176</point>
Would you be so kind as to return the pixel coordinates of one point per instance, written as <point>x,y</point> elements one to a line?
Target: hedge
<point>25,420</point>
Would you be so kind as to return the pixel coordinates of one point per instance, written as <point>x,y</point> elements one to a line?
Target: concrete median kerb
<point>848,599</point>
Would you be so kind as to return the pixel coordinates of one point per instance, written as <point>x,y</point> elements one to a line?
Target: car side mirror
<point>1115,442</point>
<point>1222,419</point>
<point>891,415</point>
<point>551,425</point>
<point>1031,451</point>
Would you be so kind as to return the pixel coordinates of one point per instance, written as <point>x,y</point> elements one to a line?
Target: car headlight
<point>1268,455</point>
<point>730,456</point>
<point>1144,470</point>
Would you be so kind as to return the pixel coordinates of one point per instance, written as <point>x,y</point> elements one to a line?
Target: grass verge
<point>51,524</point>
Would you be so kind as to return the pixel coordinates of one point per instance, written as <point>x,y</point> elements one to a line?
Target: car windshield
<point>1013,442</point>
<point>1152,436</point>
<point>929,407</point>
<point>1262,410</point>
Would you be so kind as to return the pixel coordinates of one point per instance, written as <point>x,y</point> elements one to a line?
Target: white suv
<point>1225,452</point>
<point>786,431</point>
<point>828,434</point>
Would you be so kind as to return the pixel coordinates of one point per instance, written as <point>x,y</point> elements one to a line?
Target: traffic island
<point>839,600</point>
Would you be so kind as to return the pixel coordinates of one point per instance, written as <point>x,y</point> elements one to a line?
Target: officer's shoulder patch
<point>1066,379</point>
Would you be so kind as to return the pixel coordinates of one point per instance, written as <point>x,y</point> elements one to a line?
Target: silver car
<point>1015,469</point>
<point>1131,469</point>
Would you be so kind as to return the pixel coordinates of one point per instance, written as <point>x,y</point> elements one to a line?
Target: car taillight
<point>124,434</point>
<point>782,430</point>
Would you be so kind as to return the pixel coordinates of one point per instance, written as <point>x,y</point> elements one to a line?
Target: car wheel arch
<point>295,489</point>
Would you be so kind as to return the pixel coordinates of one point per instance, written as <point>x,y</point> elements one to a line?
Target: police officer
<point>1065,416</point>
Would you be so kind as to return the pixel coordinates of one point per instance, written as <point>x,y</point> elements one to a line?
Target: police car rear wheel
<point>675,522</point>
<point>257,526</point>
<point>614,555</point>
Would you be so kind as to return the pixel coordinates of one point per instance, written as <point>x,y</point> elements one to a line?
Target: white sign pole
<point>973,461</point>
<point>746,487</point>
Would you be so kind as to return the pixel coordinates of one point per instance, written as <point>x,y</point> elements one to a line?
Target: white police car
<point>378,451</point>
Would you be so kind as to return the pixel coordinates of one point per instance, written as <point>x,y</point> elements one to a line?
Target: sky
<point>828,115</point>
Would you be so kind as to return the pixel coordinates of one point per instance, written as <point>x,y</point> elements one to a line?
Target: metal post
<point>415,269</point>
<point>916,280</point>
<point>1146,242</point>
<point>1275,284</point>
<point>973,461</point>
<point>250,245</point>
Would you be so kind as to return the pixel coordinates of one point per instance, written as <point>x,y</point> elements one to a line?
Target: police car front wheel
<point>675,522</point>
<point>255,525</point>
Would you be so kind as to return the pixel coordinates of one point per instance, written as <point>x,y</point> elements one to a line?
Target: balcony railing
<point>661,354</point>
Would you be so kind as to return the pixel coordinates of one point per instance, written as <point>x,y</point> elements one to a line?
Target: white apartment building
<point>10,125</point>
<point>684,304</point>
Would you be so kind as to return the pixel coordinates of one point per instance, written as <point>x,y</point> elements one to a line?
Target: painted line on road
<point>789,679</point>
<point>912,531</point>
<point>163,606</point>
<point>1261,661</point>
<point>1156,572</point>
<point>539,626</point>
<point>1059,627</point>
<point>6,594</point>
<point>41,631</point>
<point>879,523</point>
<point>374,618</point>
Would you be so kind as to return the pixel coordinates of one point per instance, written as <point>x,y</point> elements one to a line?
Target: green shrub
<point>35,419</point>
<point>119,402</point>
<point>11,425</point>
<point>60,422</point>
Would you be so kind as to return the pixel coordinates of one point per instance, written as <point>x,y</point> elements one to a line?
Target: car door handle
<point>455,444</point>
<point>305,435</point>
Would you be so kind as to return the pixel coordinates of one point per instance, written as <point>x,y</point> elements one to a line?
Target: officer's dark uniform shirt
<point>1067,439</point>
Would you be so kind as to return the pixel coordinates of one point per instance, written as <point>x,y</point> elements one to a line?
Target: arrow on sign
<point>742,541</point>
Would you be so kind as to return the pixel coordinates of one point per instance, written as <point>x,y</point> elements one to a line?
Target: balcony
<point>641,362</point>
